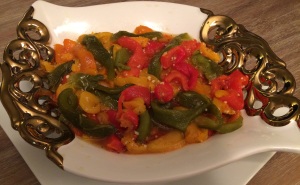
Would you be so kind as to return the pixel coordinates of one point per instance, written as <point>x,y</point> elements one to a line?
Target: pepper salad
<point>143,92</point>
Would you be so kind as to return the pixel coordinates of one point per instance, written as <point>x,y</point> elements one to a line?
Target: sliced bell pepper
<point>175,75</point>
<point>180,119</point>
<point>100,54</point>
<point>68,105</point>
<point>233,84</point>
<point>86,60</point>
<point>138,59</point>
<point>231,126</point>
<point>69,44</point>
<point>142,29</point>
<point>189,71</point>
<point>154,47</point>
<point>172,57</point>
<point>210,69</point>
<point>207,52</point>
<point>237,80</point>
<point>163,92</point>
<point>155,67</point>
<point>64,53</point>
<point>144,127</point>
<point>190,46</point>
<point>129,119</point>
<point>149,35</point>
<point>122,57</point>
<point>112,118</point>
<point>134,92</point>
<point>114,144</point>
<point>55,77</point>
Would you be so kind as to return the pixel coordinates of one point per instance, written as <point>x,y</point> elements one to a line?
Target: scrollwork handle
<point>238,45</point>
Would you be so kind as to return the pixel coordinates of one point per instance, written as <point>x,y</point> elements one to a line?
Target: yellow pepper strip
<point>207,52</point>
<point>62,87</point>
<point>137,105</point>
<point>104,38</point>
<point>166,38</point>
<point>223,107</point>
<point>103,117</point>
<point>221,93</point>
<point>132,146</point>
<point>47,66</point>
<point>76,66</point>
<point>194,134</point>
<point>202,88</point>
<point>171,141</point>
<point>89,102</point>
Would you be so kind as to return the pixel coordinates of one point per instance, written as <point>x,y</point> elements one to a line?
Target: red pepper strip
<point>129,119</point>
<point>220,83</point>
<point>178,76</point>
<point>237,80</point>
<point>134,92</point>
<point>234,99</point>
<point>128,43</point>
<point>190,46</point>
<point>113,143</point>
<point>173,56</point>
<point>189,71</point>
<point>234,84</point>
<point>163,92</point>
<point>154,47</point>
<point>112,118</point>
<point>138,59</point>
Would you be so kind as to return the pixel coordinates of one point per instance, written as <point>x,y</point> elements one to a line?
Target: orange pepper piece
<point>142,29</point>
<point>86,60</point>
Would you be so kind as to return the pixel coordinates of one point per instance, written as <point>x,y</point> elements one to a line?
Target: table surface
<point>277,21</point>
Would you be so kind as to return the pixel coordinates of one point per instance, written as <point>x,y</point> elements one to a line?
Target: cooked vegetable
<point>68,105</point>
<point>144,92</point>
<point>57,74</point>
<point>100,54</point>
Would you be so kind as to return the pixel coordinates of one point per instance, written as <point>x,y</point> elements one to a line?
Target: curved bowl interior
<point>93,162</point>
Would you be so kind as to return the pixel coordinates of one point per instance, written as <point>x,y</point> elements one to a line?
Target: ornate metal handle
<point>31,113</point>
<point>271,84</point>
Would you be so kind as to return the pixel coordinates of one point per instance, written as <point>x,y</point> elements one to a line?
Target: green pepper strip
<point>144,126</point>
<point>122,57</point>
<point>155,65</point>
<point>230,127</point>
<point>209,68</point>
<point>68,105</point>
<point>208,122</point>
<point>90,83</point>
<point>106,99</point>
<point>180,119</point>
<point>55,76</point>
<point>191,99</point>
<point>100,54</point>
<point>218,123</point>
<point>149,35</point>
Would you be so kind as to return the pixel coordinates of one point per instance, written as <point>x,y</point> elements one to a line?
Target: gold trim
<point>271,83</point>
<point>38,124</point>
<point>30,114</point>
